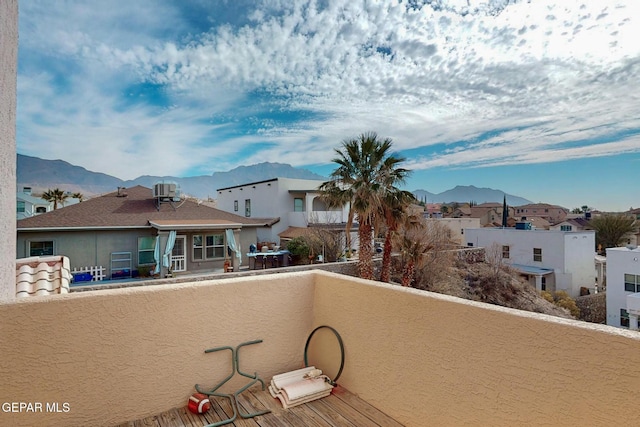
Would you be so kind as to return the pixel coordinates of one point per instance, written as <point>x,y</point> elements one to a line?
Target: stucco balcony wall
<point>123,354</point>
<point>431,359</point>
<point>422,358</point>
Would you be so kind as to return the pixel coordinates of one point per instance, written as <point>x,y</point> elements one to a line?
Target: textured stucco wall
<point>123,354</point>
<point>8,70</point>
<point>430,359</point>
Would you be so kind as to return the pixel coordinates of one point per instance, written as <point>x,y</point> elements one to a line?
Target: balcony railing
<point>106,357</point>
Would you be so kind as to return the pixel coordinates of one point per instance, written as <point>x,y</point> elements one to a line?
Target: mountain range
<point>41,175</point>
<point>469,193</point>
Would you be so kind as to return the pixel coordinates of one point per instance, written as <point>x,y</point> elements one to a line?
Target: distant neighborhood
<point>129,231</point>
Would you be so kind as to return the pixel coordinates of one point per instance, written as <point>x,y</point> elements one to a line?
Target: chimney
<point>26,190</point>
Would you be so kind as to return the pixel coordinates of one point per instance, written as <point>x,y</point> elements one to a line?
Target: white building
<point>457,226</point>
<point>550,259</point>
<point>28,205</point>
<point>623,287</point>
<point>290,202</point>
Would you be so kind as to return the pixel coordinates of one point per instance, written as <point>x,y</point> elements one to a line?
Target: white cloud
<point>427,77</point>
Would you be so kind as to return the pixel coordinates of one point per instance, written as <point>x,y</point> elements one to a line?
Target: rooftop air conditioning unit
<point>164,191</point>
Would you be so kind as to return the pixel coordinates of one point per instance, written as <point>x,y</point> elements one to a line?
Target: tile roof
<point>38,276</point>
<point>131,207</point>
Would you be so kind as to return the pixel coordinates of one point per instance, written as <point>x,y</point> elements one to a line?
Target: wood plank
<point>189,419</point>
<point>170,419</point>
<point>340,409</point>
<point>365,408</point>
<point>249,404</point>
<point>220,410</point>
<point>281,416</point>
<point>147,422</point>
<point>348,412</point>
<point>324,409</point>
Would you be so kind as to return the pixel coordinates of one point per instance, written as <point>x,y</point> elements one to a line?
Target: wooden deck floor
<point>341,408</point>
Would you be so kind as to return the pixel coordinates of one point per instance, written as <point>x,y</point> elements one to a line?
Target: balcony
<point>119,355</point>
<point>301,219</point>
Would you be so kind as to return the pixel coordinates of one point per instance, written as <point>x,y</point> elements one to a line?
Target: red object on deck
<point>199,403</point>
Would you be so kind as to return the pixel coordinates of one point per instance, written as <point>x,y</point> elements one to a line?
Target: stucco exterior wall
<point>89,248</point>
<point>457,226</point>
<point>570,254</point>
<point>430,359</point>
<point>8,78</point>
<point>422,358</point>
<point>580,253</point>
<point>275,199</point>
<point>620,261</point>
<point>124,354</point>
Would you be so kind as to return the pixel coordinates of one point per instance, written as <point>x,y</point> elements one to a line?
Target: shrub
<point>299,250</point>
<point>562,299</point>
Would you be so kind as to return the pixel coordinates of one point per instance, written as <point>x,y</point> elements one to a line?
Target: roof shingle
<point>132,207</point>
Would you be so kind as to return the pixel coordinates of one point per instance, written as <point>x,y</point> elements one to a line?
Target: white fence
<point>97,273</point>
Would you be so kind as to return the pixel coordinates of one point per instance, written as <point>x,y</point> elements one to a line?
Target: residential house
<point>107,358</point>
<point>28,205</point>
<point>571,224</point>
<point>433,210</point>
<point>284,203</point>
<point>536,223</point>
<point>551,213</point>
<point>634,212</point>
<point>489,214</point>
<point>456,227</point>
<point>460,211</point>
<point>623,287</point>
<point>550,260</point>
<point>119,231</point>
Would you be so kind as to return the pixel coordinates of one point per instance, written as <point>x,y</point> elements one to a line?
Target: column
<point>8,81</point>
<point>538,282</point>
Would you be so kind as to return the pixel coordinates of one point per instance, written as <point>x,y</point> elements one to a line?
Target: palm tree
<point>365,175</point>
<point>413,242</point>
<point>336,197</point>
<point>393,211</point>
<point>56,196</point>
<point>611,229</point>
<point>78,196</point>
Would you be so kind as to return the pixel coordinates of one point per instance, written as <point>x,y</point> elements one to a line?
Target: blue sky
<point>535,98</point>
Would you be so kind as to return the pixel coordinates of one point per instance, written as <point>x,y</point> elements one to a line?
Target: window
<point>41,248</point>
<point>505,251</point>
<point>469,244</point>
<point>247,207</point>
<point>21,206</point>
<point>624,318</point>
<point>565,228</point>
<point>537,254</point>
<point>235,205</point>
<point>632,283</point>
<point>543,284</point>
<point>146,247</point>
<point>41,209</point>
<point>209,246</point>
<point>297,205</point>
